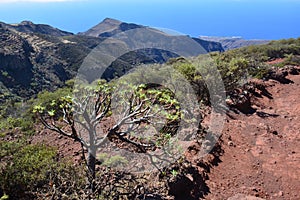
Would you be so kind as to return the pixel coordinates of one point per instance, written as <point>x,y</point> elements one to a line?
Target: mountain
<point>37,57</point>
<point>30,27</point>
<point>234,42</point>
<point>31,62</point>
<point>107,25</point>
<point>111,27</point>
<point>137,44</point>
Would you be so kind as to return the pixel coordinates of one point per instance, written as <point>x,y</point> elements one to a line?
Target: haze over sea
<point>251,19</point>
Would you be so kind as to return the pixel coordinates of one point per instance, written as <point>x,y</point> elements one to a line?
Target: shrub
<point>27,169</point>
<point>34,170</point>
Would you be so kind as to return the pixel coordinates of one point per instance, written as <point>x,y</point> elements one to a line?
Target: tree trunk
<point>91,162</point>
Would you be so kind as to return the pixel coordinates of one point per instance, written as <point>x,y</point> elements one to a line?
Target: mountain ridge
<point>234,42</point>
<point>30,27</point>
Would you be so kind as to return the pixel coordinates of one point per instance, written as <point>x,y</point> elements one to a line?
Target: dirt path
<point>262,151</point>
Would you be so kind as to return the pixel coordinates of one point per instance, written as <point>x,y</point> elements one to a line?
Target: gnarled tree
<point>80,117</point>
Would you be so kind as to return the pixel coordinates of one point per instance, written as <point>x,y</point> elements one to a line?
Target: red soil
<point>262,151</point>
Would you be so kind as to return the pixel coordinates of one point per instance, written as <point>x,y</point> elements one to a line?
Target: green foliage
<point>270,51</point>
<point>174,172</point>
<point>51,103</point>
<point>49,99</point>
<point>18,114</point>
<point>187,69</point>
<point>236,66</point>
<point>8,148</point>
<point>14,114</point>
<point>23,123</point>
<point>111,161</point>
<point>31,164</point>
<point>27,168</point>
<point>164,140</point>
<point>66,101</point>
<point>289,59</point>
<point>197,72</point>
<point>260,72</point>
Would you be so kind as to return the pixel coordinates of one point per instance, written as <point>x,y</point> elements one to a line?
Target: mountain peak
<point>111,21</point>
<point>107,25</point>
<point>24,23</point>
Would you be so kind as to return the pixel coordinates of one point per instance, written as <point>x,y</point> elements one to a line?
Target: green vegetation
<point>37,170</point>
<point>15,116</point>
<point>267,52</point>
<point>28,169</point>
<point>25,168</point>
<point>91,104</point>
<point>111,161</point>
<point>238,65</point>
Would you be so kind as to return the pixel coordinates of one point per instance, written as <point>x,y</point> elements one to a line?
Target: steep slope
<point>32,62</point>
<point>16,67</point>
<point>210,46</point>
<point>234,42</point>
<point>131,59</point>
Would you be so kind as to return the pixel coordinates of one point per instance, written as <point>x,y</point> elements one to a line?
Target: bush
<point>33,170</point>
<point>27,169</point>
<point>15,114</point>
<point>47,98</point>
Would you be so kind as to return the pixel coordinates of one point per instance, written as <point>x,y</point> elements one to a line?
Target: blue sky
<point>251,19</point>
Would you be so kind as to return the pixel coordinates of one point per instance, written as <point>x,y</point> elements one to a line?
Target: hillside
<point>234,42</point>
<point>30,27</point>
<point>32,62</point>
<point>37,57</point>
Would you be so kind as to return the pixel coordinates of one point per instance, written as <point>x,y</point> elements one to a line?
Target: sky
<point>251,19</point>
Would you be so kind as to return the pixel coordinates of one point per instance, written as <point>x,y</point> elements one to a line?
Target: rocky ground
<point>261,151</point>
